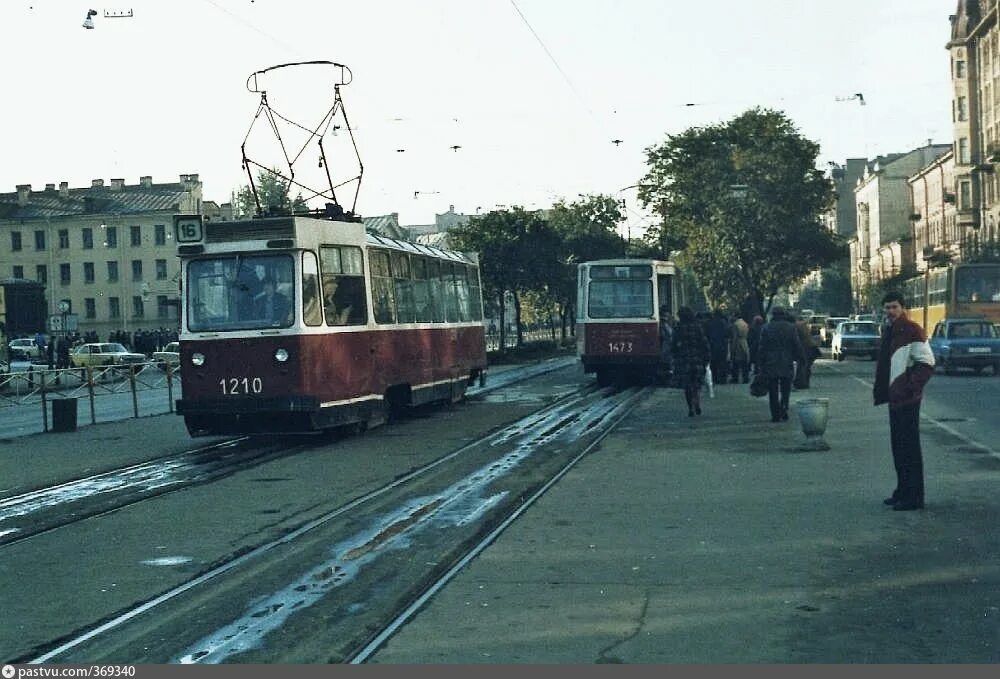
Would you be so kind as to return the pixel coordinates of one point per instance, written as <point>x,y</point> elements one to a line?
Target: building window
<point>64,274</point>
<point>89,307</point>
<point>39,240</point>
<point>137,269</point>
<point>63,239</point>
<point>112,272</point>
<point>42,274</point>
<point>111,236</point>
<point>161,269</point>
<point>15,240</point>
<point>162,308</point>
<point>960,69</point>
<point>18,271</point>
<point>138,310</point>
<point>160,234</point>
<point>114,308</point>
<point>88,272</point>
<point>135,235</point>
<point>88,238</point>
<point>965,195</point>
<point>963,110</point>
<point>963,151</point>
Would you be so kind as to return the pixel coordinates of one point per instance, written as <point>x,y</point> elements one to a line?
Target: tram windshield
<point>978,283</point>
<point>620,292</point>
<point>240,292</point>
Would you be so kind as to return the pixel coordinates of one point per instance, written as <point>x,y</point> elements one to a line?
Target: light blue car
<point>966,343</point>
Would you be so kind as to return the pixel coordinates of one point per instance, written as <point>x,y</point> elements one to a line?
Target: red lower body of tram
<point>326,380</point>
<point>621,351</point>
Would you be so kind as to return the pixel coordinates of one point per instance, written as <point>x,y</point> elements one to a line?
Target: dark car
<point>966,343</point>
<point>855,338</point>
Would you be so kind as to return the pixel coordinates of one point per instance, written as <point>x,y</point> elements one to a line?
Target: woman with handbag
<point>691,353</point>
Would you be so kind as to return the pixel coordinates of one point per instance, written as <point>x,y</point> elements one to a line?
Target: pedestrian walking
<point>905,364</point>
<point>739,351</point>
<point>691,354</point>
<point>666,338</point>
<point>779,349</point>
<point>717,330</point>
<point>753,340</point>
<point>810,349</point>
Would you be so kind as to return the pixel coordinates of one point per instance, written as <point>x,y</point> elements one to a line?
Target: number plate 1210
<point>232,386</point>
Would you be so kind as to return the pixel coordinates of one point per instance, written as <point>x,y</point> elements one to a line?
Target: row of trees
<point>739,206</point>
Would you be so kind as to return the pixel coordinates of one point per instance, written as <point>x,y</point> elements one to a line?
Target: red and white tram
<point>297,324</point>
<point>618,317</point>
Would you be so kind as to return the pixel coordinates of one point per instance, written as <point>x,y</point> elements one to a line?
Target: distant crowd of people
<point>728,349</point>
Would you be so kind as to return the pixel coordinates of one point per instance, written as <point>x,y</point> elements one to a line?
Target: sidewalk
<point>715,540</point>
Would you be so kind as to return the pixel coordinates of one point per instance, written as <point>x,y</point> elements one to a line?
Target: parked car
<point>104,353</point>
<point>966,343</point>
<point>855,338</point>
<point>25,347</point>
<point>816,322</point>
<point>829,326</point>
<point>170,356</point>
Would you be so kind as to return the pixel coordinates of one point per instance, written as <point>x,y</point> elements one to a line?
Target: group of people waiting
<point>731,349</point>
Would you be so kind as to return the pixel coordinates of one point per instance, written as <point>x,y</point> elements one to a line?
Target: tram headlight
<point>280,355</point>
<point>198,358</point>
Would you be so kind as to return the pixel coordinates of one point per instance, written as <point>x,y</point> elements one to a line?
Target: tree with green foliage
<point>587,230</point>
<point>741,201</point>
<point>516,251</point>
<point>273,193</point>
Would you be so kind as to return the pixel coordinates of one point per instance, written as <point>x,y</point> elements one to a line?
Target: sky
<point>534,92</point>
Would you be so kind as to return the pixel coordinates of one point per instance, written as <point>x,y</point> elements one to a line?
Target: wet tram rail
<point>43,509</point>
<point>341,582</point>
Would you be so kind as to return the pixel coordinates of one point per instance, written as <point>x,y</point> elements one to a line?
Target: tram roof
<point>308,232</point>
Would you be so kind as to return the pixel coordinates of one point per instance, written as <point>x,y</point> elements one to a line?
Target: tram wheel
<point>605,378</point>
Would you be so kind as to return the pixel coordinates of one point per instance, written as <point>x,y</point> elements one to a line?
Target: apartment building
<point>974,50</point>
<point>108,249</point>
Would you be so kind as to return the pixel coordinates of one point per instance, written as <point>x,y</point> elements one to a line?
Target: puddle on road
<point>168,561</point>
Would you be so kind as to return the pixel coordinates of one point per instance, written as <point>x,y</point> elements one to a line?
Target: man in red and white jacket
<point>905,364</point>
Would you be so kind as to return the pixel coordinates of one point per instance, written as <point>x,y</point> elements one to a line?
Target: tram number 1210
<point>620,347</point>
<point>235,385</point>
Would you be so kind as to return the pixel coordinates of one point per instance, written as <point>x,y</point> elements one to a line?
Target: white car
<point>104,353</point>
<point>170,356</point>
<point>25,347</point>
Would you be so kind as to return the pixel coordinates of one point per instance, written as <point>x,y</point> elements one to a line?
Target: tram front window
<point>621,299</point>
<point>978,284</point>
<point>240,292</point>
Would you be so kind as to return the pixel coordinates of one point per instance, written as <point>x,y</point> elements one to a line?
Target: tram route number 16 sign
<point>188,228</point>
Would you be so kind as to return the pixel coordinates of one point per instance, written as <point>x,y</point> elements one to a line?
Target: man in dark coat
<point>905,364</point>
<point>718,334</point>
<point>779,349</point>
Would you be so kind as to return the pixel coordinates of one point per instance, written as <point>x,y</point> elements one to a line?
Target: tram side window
<point>383,293</point>
<point>421,290</point>
<point>462,289</point>
<point>311,313</point>
<point>436,290</point>
<point>406,309</point>
<point>937,288</point>
<point>475,295</point>
<point>450,285</point>
<point>343,285</point>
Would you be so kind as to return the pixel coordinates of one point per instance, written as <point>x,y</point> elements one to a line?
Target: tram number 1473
<point>620,347</point>
<point>235,385</point>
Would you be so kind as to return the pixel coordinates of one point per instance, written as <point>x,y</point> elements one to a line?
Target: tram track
<point>41,510</point>
<point>395,511</point>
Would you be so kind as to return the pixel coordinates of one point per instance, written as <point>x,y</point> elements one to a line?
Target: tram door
<point>665,294</point>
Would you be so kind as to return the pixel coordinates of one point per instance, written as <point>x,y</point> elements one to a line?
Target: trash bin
<point>64,414</point>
